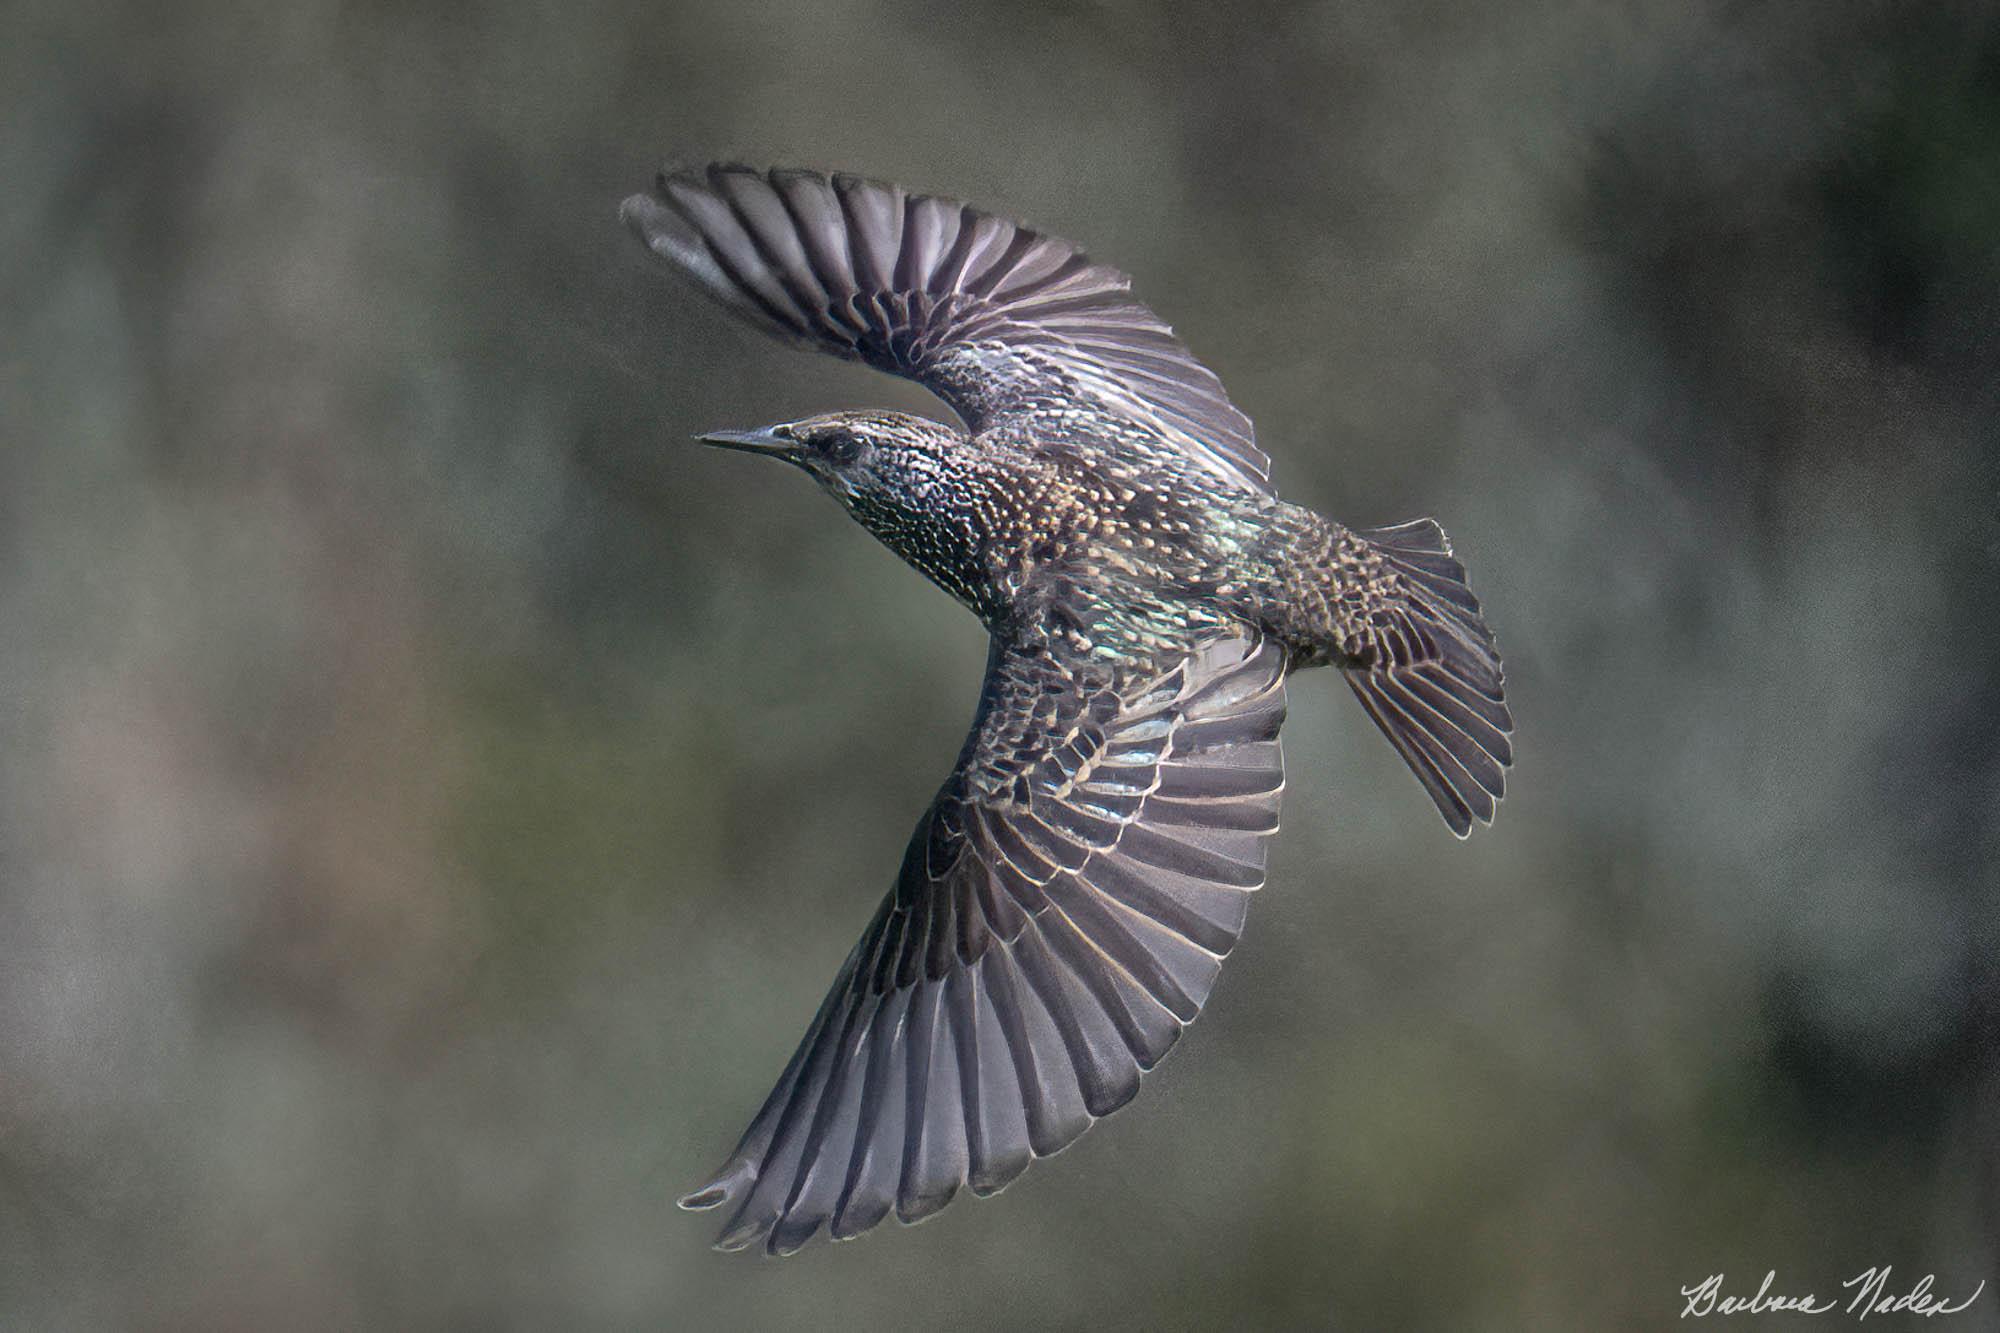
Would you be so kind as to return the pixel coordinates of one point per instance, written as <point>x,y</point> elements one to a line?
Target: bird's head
<point>877,464</point>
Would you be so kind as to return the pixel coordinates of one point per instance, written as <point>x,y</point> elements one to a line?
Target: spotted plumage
<point>1105,511</point>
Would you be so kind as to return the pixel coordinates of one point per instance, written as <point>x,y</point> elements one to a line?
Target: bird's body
<point>1112,555</point>
<point>1120,557</point>
<point>1065,902</point>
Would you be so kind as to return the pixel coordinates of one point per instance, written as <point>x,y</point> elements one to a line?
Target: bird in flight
<point>1066,901</point>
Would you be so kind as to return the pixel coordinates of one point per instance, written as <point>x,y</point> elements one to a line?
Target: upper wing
<point>1060,915</point>
<point>995,319</point>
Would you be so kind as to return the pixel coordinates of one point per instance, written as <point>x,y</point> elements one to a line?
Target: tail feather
<point>1432,679</point>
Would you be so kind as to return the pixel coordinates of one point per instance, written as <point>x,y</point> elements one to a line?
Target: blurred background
<point>435,795</point>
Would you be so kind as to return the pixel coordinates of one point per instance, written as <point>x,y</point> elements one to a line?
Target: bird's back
<point>1120,550</point>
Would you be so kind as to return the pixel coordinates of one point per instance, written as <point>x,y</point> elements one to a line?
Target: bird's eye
<point>842,449</point>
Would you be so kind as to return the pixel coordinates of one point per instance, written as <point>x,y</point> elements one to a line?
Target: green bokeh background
<point>434,795</point>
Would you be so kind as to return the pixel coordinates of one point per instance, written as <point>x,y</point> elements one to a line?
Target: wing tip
<point>988,1178</point>
<point>703,1199</point>
<point>649,216</point>
<point>790,1234</point>
<point>922,1206</point>
<point>719,1189</point>
<point>740,1237</point>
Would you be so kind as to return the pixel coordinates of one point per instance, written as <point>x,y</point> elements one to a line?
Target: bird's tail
<point>1432,677</point>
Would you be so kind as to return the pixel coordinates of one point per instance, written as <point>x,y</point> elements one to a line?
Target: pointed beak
<point>773,440</point>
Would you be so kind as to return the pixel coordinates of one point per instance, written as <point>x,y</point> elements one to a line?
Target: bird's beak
<point>776,441</point>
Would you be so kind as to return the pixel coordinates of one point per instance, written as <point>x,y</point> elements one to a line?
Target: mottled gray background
<point>433,795</point>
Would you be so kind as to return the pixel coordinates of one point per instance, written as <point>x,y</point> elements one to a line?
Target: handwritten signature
<point>1871,1296</point>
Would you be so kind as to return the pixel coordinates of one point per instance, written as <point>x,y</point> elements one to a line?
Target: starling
<point>1066,901</point>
